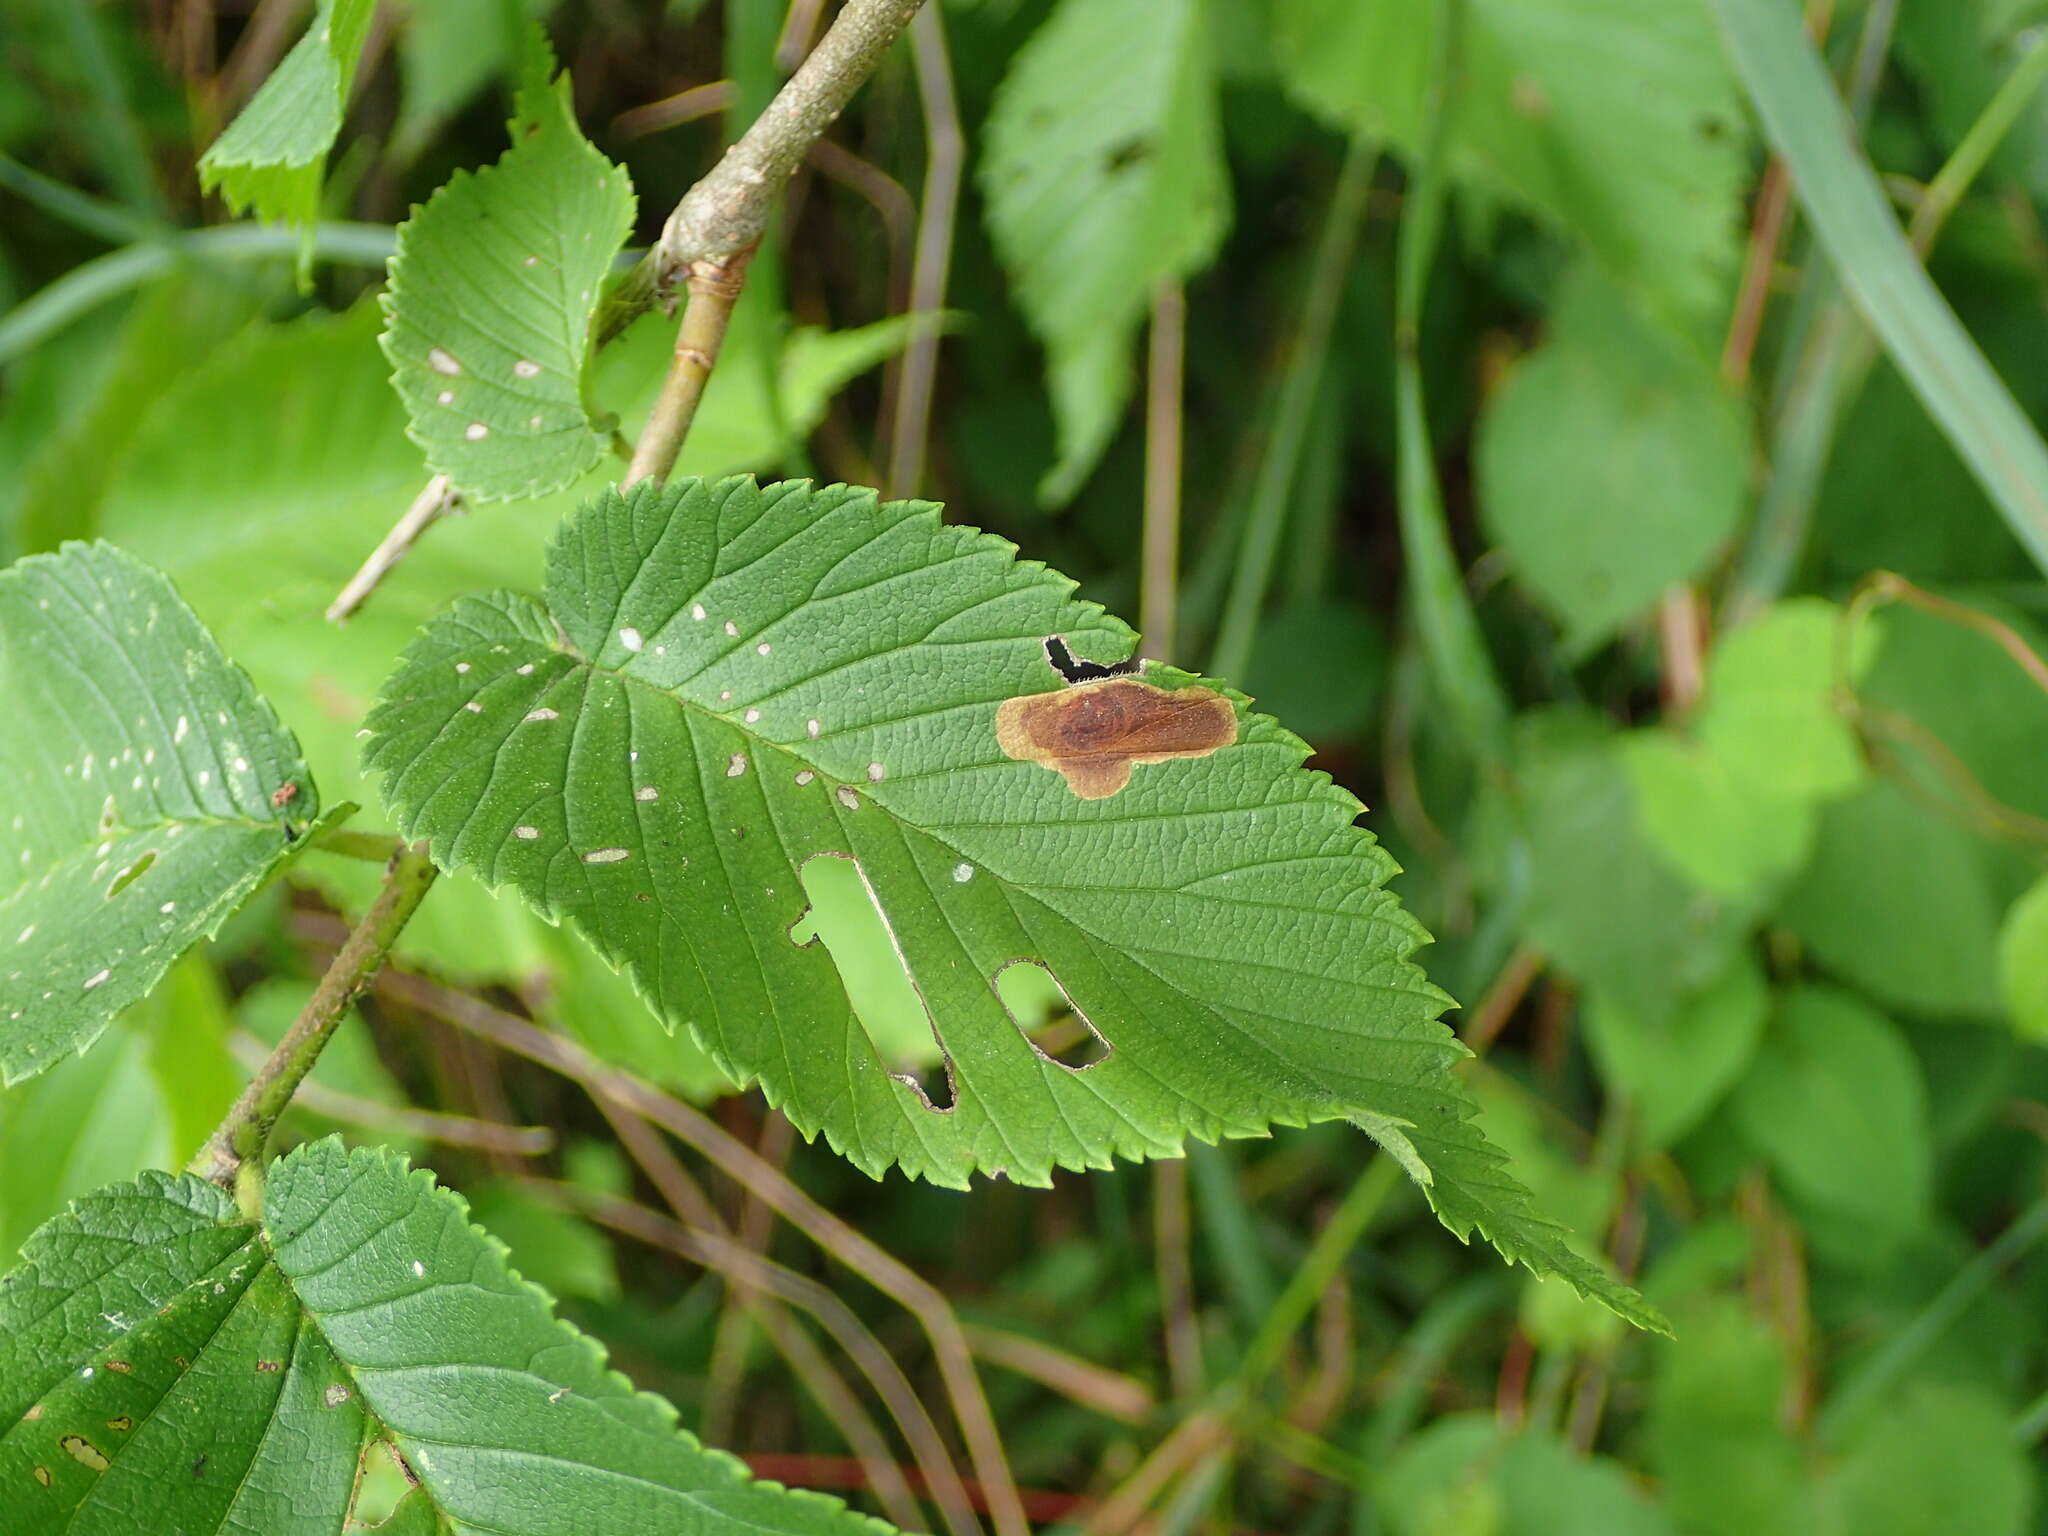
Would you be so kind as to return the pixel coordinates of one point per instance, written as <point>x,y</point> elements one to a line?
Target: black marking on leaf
<point>1073,670</point>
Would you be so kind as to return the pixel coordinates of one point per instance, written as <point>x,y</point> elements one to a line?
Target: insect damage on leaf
<point>1091,733</point>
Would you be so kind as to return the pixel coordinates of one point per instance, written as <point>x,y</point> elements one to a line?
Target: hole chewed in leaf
<point>1092,733</point>
<point>1047,1017</point>
<point>847,916</point>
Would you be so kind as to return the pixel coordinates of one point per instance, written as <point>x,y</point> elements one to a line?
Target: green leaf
<point>1770,713</point>
<point>1617,120</point>
<point>1835,1102</point>
<point>727,682</point>
<point>1728,838</point>
<point>1852,220</point>
<point>1673,1068</point>
<point>159,1353</point>
<point>145,773</point>
<point>271,157</point>
<point>1466,1474</point>
<point>1725,1461</point>
<point>492,293</point>
<point>2023,962</point>
<point>1104,176</point>
<point>1733,808</point>
<point>1900,901</point>
<point>1939,1458</point>
<point>1601,905</point>
<point>1612,464</point>
<point>447,53</point>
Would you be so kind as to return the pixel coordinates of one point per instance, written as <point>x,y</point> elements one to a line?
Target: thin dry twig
<point>727,212</point>
<point>1096,1388</point>
<point>756,1280</point>
<point>852,1248</point>
<point>402,1119</point>
<point>1165,373</point>
<point>945,155</point>
<point>436,500</point>
<point>704,246</point>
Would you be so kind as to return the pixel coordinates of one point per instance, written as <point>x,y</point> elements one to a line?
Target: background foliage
<point>1747,898</point>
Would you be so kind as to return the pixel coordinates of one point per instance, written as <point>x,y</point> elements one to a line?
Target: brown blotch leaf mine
<point>1092,733</point>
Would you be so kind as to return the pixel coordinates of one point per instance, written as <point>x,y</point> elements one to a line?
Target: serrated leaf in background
<point>271,156</point>
<point>166,1364</point>
<point>1551,92</point>
<point>492,292</point>
<point>1835,1103</point>
<point>151,789</point>
<point>1104,176</point>
<point>1613,463</point>
<point>704,706</point>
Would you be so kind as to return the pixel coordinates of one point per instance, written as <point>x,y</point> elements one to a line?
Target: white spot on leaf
<point>441,362</point>
<point>543,713</point>
<point>526,834</point>
<point>962,873</point>
<point>96,978</point>
<point>737,766</point>
<point>607,855</point>
<point>476,431</point>
<point>525,369</point>
<point>630,638</point>
<point>647,792</point>
<point>847,797</point>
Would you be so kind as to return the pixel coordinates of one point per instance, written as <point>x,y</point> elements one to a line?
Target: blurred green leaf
<point>448,51</point>
<point>1938,1458</point>
<point>2023,962</point>
<point>1770,713</point>
<point>1320,667</point>
<point>1717,1439</point>
<point>1466,1476</point>
<point>1959,687</point>
<point>1673,1067</point>
<point>1835,1103</point>
<point>1612,464</point>
<point>1727,837</point>
<point>1617,121</point>
<point>1900,901</point>
<point>556,1250</point>
<point>271,157</point>
<point>1600,903</point>
<point>1102,167</point>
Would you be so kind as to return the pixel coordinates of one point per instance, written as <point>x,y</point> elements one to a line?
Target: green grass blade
<point>1805,122</point>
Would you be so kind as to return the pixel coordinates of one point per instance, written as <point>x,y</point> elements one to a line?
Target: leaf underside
<point>167,1365</point>
<point>271,156</point>
<point>491,295</point>
<point>149,790</point>
<point>729,681</point>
